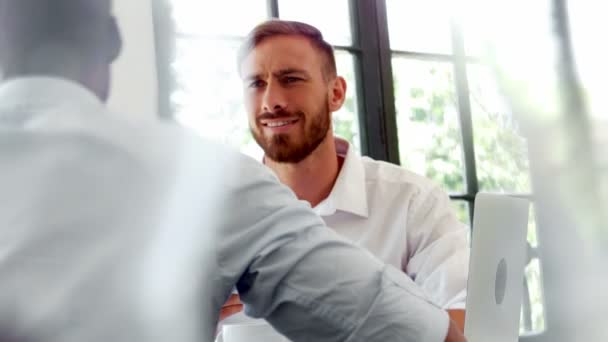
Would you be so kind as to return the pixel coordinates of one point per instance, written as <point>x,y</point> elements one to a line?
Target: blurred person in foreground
<point>291,88</point>
<point>120,231</point>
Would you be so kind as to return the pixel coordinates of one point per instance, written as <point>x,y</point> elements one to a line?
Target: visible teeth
<point>278,123</point>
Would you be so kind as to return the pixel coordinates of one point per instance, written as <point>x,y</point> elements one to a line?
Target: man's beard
<point>281,148</point>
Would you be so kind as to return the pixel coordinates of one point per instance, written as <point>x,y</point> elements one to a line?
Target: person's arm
<point>455,334</point>
<point>457,316</point>
<point>307,282</point>
<point>438,251</point>
<point>233,306</point>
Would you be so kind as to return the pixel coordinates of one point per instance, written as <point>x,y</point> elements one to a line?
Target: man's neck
<point>313,178</point>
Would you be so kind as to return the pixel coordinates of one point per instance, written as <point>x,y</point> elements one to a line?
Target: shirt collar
<point>349,193</point>
<point>23,100</point>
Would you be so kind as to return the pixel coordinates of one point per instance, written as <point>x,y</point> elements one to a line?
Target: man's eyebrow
<point>280,73</point>
<point>290,71</point>
<point>252,77</point>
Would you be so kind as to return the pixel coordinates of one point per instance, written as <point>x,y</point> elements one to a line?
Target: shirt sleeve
<point>437,249</point>
<point>307,282</point>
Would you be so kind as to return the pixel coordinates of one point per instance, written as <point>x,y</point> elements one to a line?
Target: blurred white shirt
<point>112,230</point>
<point>405,220</point>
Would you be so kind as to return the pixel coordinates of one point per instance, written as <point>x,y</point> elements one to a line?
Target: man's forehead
<point>282,53</point>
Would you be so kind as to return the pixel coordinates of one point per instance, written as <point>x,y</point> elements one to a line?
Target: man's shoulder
<point>382,172</point>
<point>171,151</point>
<point>160,139</point>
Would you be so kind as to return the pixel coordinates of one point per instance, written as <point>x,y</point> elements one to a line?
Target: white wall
<point>134,84</point>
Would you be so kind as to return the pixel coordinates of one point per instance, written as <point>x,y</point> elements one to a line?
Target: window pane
<point>430,142</point>
<point>462,211</point>
<point>331,17</point>
<point>586,22</point>
<point>346,120</point>
<point>474,24</point>
<point>218,18</point>
<point>500,150</point>
<point>208,97</point>
<point>532,234</point>
<point>536,321</point>
<point>420,26</point>
<point>532,319</point>
<point>474,43</point>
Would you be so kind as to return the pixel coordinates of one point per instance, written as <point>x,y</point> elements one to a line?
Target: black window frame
<point>373,66</point>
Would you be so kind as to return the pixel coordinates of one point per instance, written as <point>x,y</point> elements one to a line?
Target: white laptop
<point>496,271</point>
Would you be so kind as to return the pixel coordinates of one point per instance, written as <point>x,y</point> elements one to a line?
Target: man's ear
<point>114,40</point>
<point>337,93</point>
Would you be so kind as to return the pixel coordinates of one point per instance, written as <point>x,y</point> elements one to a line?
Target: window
<point>418,94</point>
<point>421,26</point>
<point>207,94</point>
<point>337,31</point>
<point>592,68</point>
<point>500,150</point>
<point>331,17</point>
<point>452,124</point>
<point>427,121</point>
<point>532,313</point>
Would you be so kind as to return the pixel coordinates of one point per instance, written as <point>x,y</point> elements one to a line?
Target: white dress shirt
<point>402,218</point>
<point>113,230</point>
<point>405,220</point>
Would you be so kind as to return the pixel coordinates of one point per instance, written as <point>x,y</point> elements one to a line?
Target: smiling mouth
<point>279,123</point>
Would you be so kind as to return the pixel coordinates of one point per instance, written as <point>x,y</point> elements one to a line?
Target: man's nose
<point>274,98</point>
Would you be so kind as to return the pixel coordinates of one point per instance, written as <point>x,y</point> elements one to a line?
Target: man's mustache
<point>278,115</point>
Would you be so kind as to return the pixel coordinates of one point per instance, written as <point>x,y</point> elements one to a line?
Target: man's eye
<point>256,84</point>
<point>291,79</point>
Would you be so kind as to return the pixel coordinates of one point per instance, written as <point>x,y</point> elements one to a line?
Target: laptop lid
<point>496,271</point>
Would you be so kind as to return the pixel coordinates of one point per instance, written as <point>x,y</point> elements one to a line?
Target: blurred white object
<point>113,230</point>
<point>498,258</point>
<point>535,64</point>
<point>258,331</point>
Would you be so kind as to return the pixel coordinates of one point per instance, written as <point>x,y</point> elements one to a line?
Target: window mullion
<point>464,113</point>
<point>273,8</point>
<point>374,81</point>
<point>387,83</point>
<point>164,35</point>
